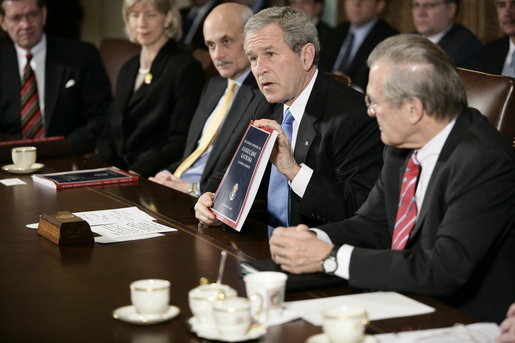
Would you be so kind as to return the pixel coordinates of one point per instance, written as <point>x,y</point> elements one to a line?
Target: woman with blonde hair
<point>157,92</point>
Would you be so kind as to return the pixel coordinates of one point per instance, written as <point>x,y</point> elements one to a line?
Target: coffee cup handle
<point>257,297</point>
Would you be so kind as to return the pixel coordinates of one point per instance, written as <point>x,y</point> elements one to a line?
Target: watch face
<point>330,265</point>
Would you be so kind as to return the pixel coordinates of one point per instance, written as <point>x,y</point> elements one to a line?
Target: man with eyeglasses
<point>49,86</point>
<point>440,220</point>
<point>435,20</point>
<point>498,56</point>
<point>352,41</point>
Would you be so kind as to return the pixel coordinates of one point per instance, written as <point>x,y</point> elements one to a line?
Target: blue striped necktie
<point>278,188</point>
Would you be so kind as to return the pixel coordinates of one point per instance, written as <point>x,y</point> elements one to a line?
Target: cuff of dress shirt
<point>321,235</point>
<point>301,180</point>
<point>343,257</point>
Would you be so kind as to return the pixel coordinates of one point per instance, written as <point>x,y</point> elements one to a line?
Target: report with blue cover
<point>239,186</point>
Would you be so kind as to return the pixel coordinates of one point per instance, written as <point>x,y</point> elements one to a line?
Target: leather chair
<point>494,97</point>
<point>114,53</point>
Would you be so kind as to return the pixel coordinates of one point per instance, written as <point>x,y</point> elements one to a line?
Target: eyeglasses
<point>371,106</point>
<point>426,6</point>
<point>505,4</point>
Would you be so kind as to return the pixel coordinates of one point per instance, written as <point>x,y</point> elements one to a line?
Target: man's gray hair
<point>420,69</point>
<point>295,24</point>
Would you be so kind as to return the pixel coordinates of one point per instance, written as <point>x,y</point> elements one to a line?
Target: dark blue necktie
<point>343,61</point>
<point>278,188</point>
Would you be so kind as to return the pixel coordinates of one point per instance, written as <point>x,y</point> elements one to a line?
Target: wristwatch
<point>193,190</point>
<point>330,263</point>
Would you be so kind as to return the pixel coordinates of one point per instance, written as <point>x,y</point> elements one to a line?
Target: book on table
<point>236,192</point>
<point>84,178</point>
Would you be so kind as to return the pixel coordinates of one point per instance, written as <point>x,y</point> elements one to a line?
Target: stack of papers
<point>379,305</point>
<point>122,224</point>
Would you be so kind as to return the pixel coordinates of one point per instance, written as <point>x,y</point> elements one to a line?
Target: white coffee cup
<point>24,156</point>
<point>202,298</point>
<point>344,324</point>
<point>271,287</point>
<point>150,296</point>
<point>233,316</point>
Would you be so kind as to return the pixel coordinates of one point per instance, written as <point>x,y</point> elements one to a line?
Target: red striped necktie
<point>31,119</point>
<point>407,211</point>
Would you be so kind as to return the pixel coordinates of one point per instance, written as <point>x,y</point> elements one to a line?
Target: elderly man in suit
<point>202,171</point>
<point>445,228</point>
<point>435,20</point>
<point>49,86</point>
<point>498,56</point>
<point>353,41</point>
<point>328,152</point>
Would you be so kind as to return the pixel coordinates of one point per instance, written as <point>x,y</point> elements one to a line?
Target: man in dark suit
<point>325,170</point>
<point>72,85</point>
<point>436,22</point>
<point>352,41</point>
<point>445,229</point>
<point>223,32</point>
<point>497,57</point>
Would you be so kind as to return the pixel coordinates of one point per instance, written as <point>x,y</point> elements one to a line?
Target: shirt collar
<point>240,79</point>
<point>437,37</point>
<point>299,105</point>
<point>36,50</point>
<point>433,148</point>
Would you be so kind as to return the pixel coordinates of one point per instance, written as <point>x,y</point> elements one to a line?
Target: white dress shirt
<point>301,180</point>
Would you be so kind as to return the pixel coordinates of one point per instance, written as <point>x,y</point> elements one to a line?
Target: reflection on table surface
<point>68,293</point>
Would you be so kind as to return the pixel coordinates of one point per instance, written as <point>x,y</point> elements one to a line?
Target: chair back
<point>114,53</point>
<point>494,97</point>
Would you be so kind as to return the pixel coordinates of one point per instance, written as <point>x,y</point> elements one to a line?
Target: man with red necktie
<point>49,86</point>
<point>440,220</point>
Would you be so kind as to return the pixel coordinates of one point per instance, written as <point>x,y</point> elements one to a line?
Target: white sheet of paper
<point>379,305</point>
<point>477,332</point>
<point>118,215</point>
<point>12,182</point>
<point>130,229</point>
<point>106,240</point>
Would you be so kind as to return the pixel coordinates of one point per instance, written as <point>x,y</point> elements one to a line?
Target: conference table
<point>51,293</point>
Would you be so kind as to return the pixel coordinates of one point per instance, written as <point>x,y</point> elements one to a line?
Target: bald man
<point>223,33</point>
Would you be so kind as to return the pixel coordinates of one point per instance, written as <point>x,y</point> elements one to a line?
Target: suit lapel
<point>460,127</point>
<point>314,109</point>
<point>208,103</point>
<point>234,117</point>
<point>54,74</point>
<point>13,81</point>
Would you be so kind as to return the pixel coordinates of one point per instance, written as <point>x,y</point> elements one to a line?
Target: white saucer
<point>128,314</point>
<point>212,333</point>
<point>12,169</point>
<point>322,338</point>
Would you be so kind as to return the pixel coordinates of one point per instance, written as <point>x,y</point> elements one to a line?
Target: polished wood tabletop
<point>51,293</point>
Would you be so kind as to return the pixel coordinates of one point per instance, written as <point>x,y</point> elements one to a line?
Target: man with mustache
<point>328,152</point>
<point>206,157</point>
<point>497,57</point>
